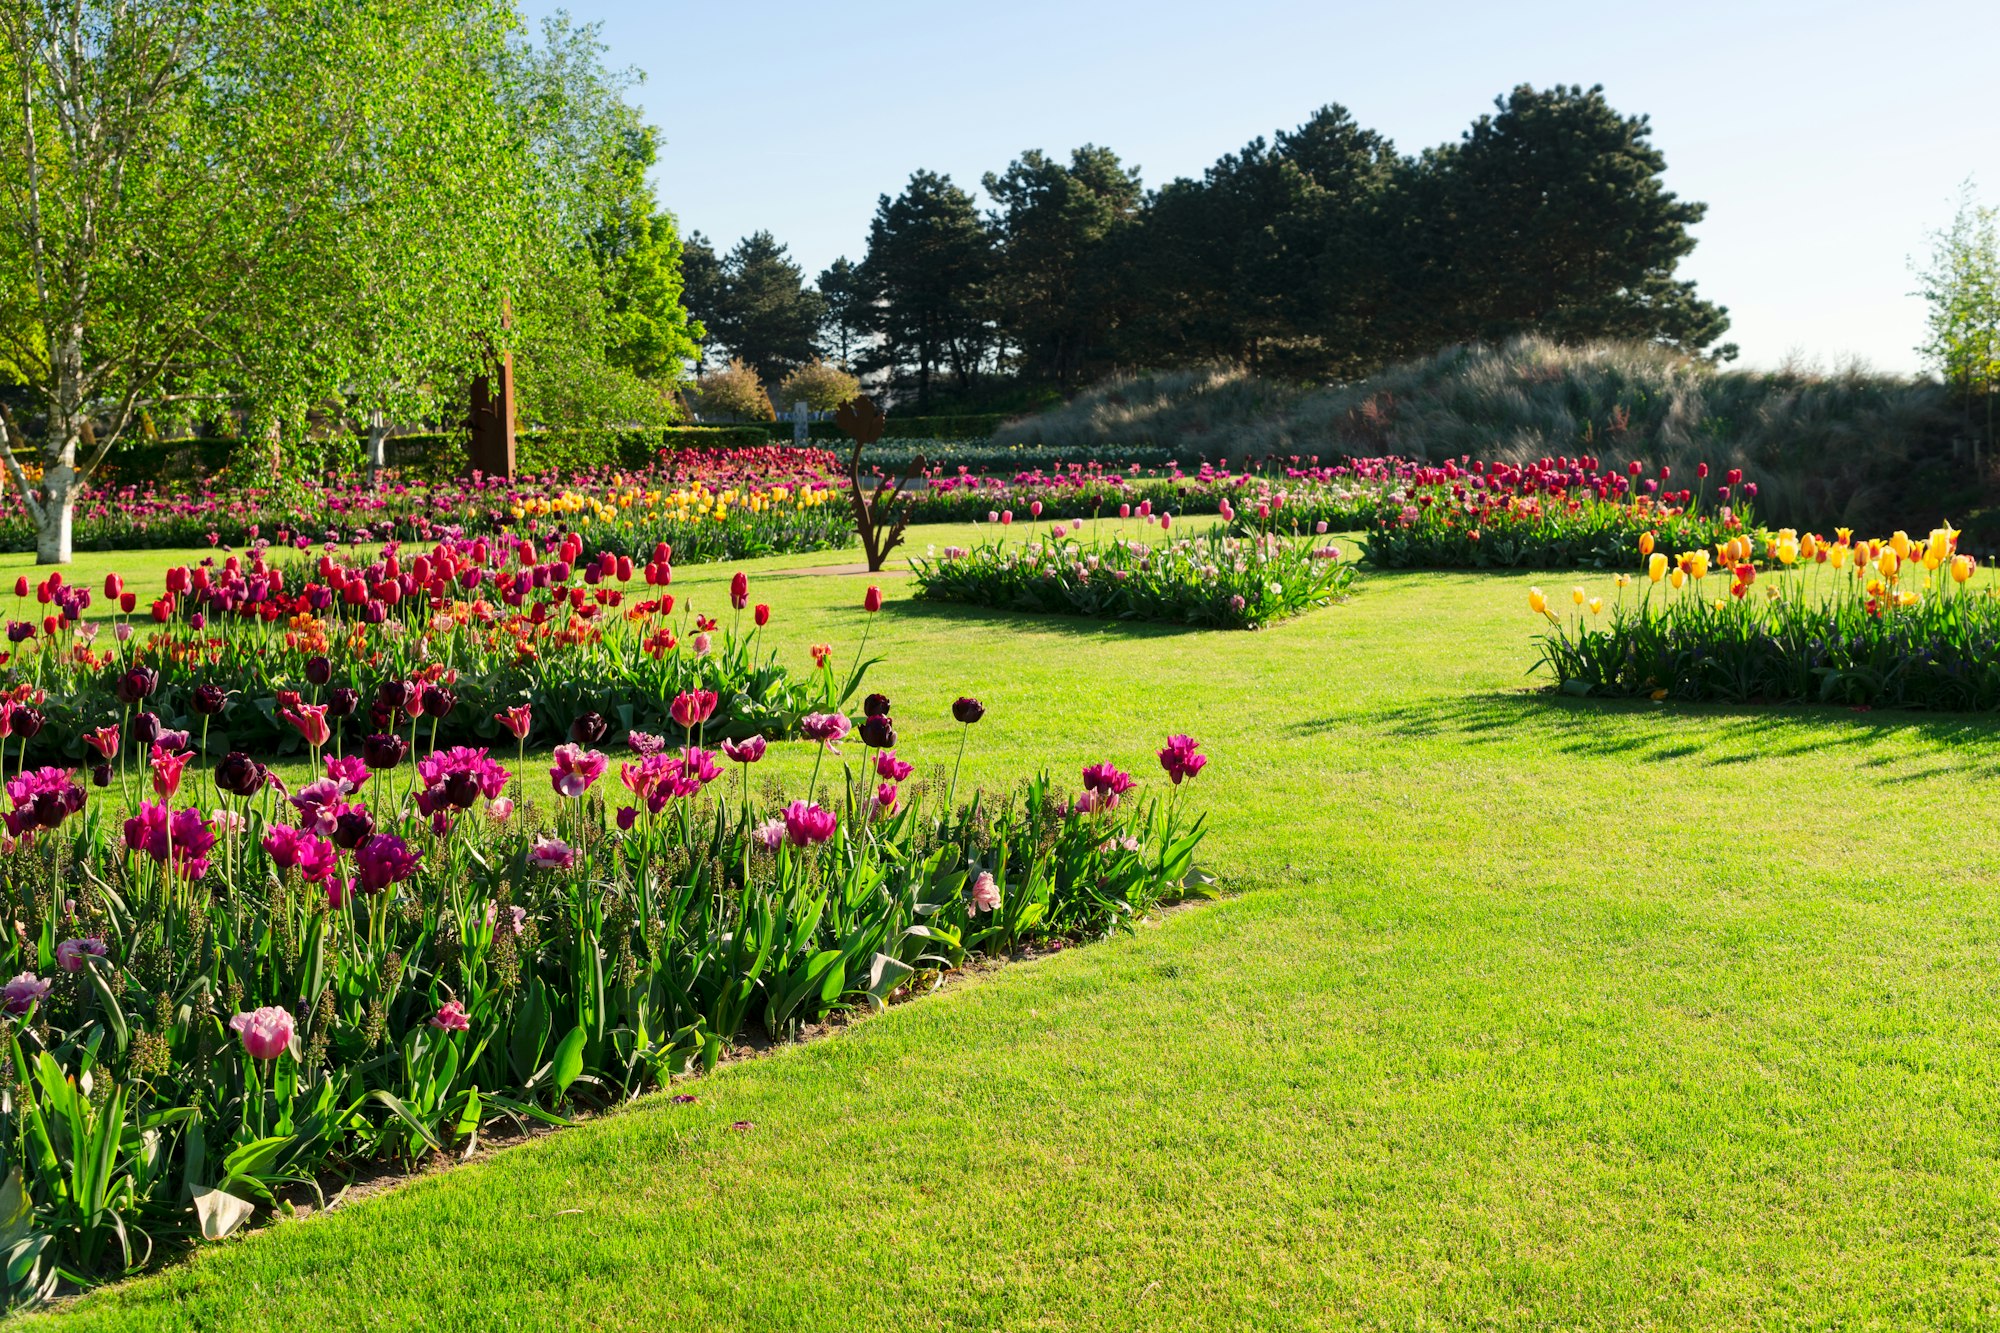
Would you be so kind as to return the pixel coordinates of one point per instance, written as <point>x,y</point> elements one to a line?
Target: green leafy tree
<point>1961,284</point>
<point>929,265</point>
<point>183,233</point>
<point>1052,222</point>
<point>601,331</point>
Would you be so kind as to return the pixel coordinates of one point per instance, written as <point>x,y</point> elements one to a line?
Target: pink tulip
<point>266,1032</point>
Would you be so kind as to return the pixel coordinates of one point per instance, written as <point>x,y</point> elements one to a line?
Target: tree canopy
<point>291,210</point>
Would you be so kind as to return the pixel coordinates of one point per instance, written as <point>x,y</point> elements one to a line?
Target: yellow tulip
<point>1646,544</point>
<point>1900,543</point>
<point>1961,568</point>
<point>1538,602</point>
<point>1838,554</point>
<point>1576,595</point>
<point>1889,563</point>
<point>1788,552</point>
<point>1700,569</point>
<point>1656,568</point>
<point>1677,578</point>
<point>1597,606</point>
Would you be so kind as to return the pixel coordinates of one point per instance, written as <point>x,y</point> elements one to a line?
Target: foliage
<point>1321,252</point>
<point>1051,219</point>
<point>1884,623</point>
<point>820,386</point>
<point>844,301</point>
<point>733,391</point>
<point>1212,579</point>
<point>185,232</point>
<point>1961,284</point>
<point>755,303</point>
<point>928,264</point>
<point>236,992</point>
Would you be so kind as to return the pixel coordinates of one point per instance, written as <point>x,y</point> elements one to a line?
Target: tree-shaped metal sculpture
<point>879,517</point>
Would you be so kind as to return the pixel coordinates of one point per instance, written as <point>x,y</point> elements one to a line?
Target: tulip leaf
<point>568,1063</point>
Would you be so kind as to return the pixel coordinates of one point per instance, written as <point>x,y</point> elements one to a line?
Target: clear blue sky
<point>1826,139</point>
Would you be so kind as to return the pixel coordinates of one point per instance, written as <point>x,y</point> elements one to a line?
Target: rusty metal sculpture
<point>878,516</point>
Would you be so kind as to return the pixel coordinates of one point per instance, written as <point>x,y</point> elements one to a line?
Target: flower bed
<point>1890,623</point>
<point>1556,514</point>
<point>470,628</point>
<point>1211,579</point>
<point>239,987</point>
<point>771,500</point>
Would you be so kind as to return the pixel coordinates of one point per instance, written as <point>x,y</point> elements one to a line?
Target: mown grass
<point>1524,1013</point>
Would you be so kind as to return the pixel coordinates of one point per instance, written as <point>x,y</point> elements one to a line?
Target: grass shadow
<point>1719,735</point>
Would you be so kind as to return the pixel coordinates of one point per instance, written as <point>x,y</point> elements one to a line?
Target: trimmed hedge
<point>976,426</point>
<point>431,454</point>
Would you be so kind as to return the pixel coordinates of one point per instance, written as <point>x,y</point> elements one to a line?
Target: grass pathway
<point>1526,1013</point>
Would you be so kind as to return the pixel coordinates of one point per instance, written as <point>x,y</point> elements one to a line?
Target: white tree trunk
<point>55,527</point>
<point>378,446</point>
<point>56,532</point>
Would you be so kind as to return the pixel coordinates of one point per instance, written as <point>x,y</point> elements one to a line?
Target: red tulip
<point>873,601</point>
<point>21,586</point>
<point>126,601</point>
<point>113,586</point>
<point>763,615</point>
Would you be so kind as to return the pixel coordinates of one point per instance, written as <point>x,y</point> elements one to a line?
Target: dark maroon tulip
<point>354,827</point>
<point>342,702</point>
<point>968,710</point>
<point>875,705</point>
<point>878,731</point>
<point>239,774</point>
<point>384,752</point>
<point>138,684</point>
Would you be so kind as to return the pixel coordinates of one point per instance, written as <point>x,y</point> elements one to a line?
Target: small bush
<point>733,391</point>
<point>820,385</point>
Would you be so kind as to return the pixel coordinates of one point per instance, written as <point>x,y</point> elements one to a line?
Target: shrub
<point>820,385</point>
<point>733,391</point>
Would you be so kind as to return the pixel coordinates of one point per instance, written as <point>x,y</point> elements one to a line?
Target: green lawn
<point>1524,1013</point>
